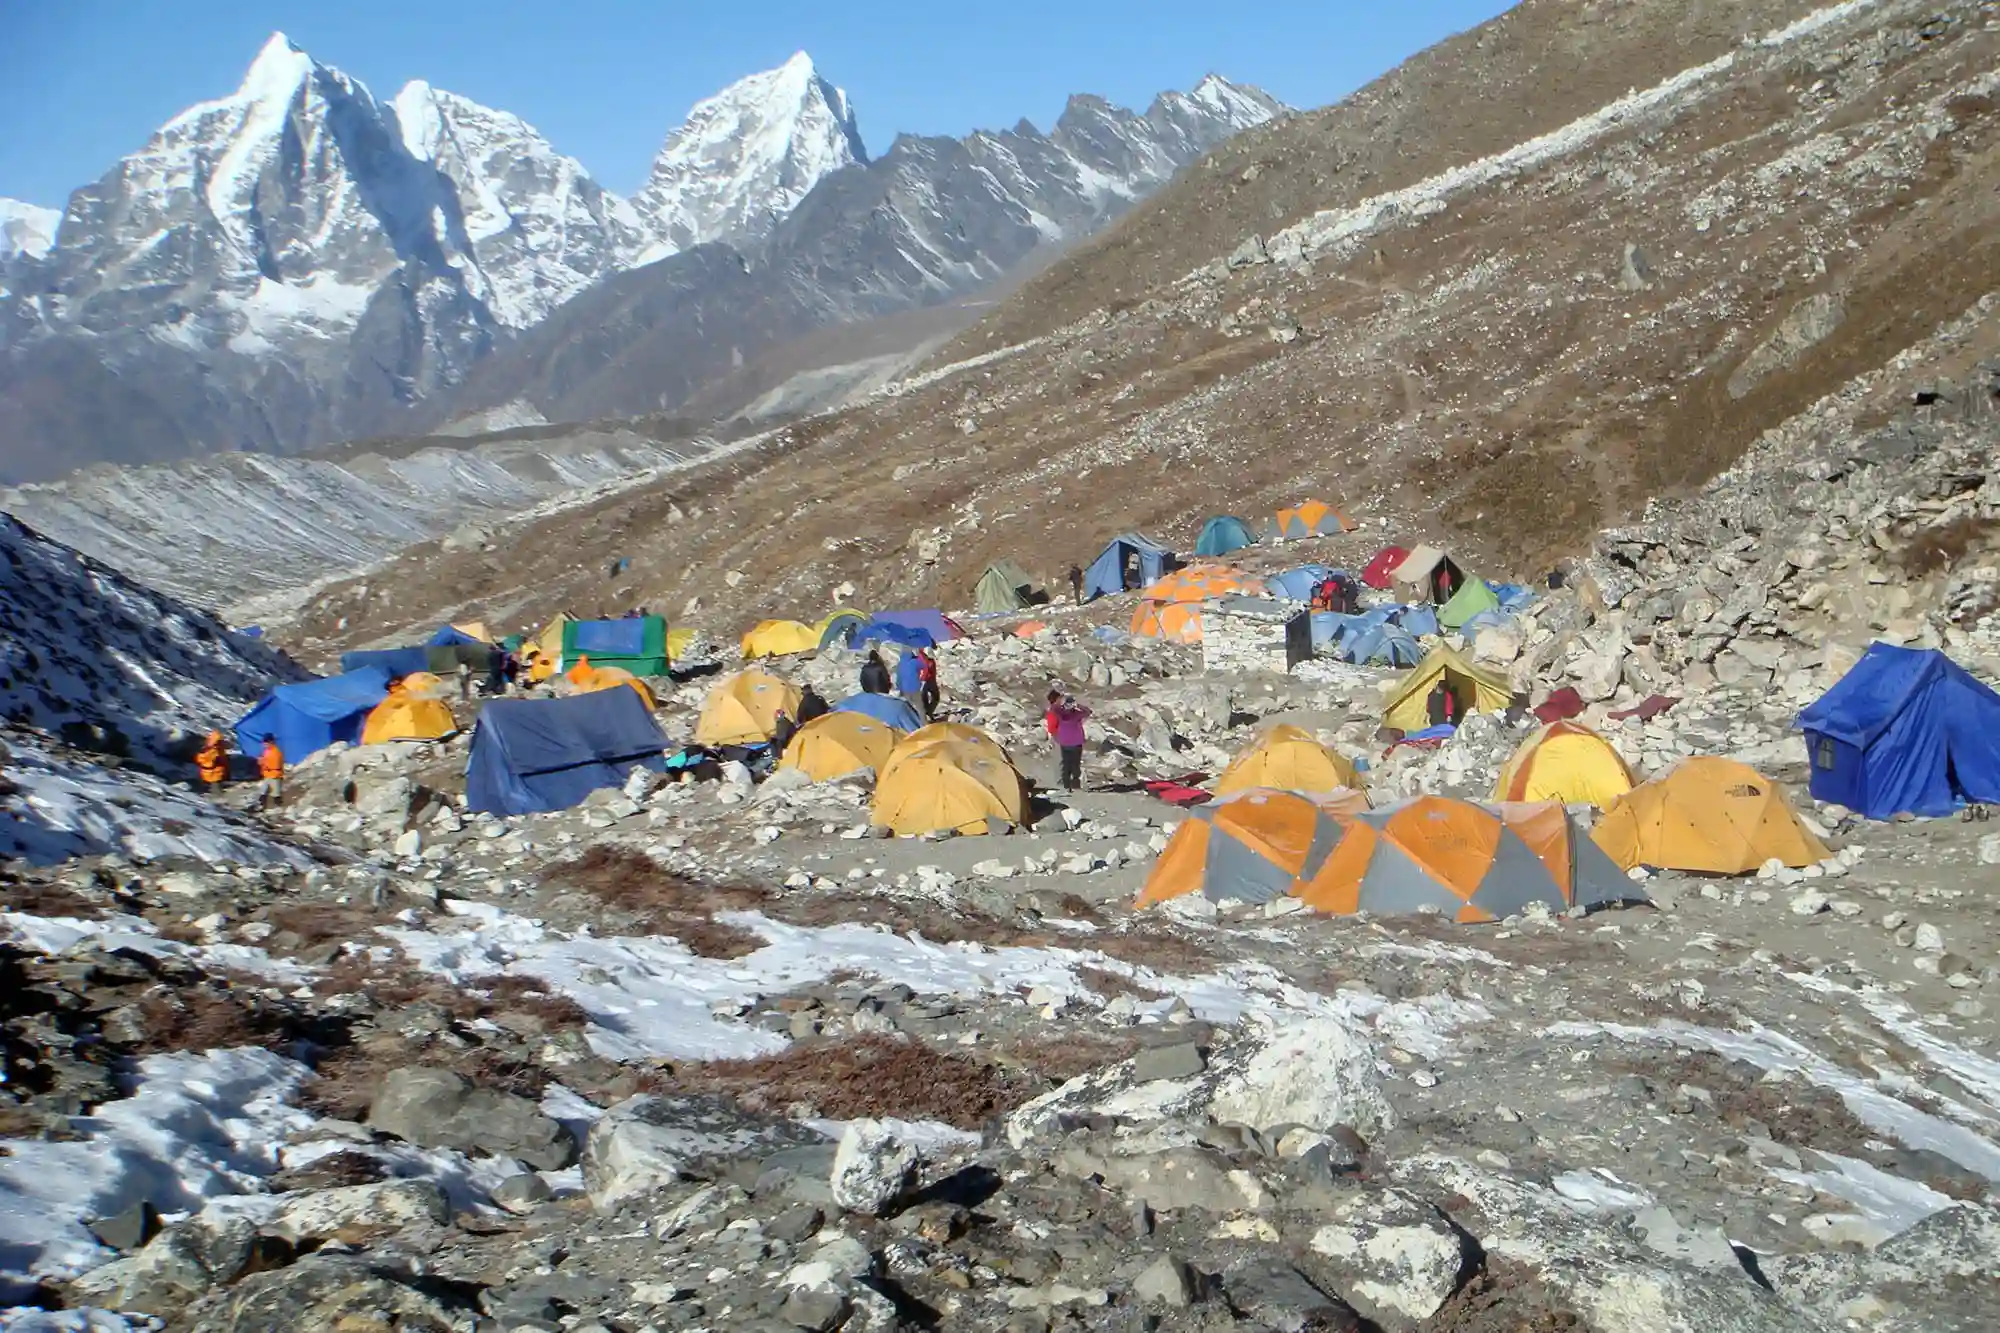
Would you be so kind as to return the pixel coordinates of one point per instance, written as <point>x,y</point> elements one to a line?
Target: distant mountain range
<point>300,263</point>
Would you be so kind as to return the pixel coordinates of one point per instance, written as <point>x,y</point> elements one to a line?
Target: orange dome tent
<point>406,716</point>
<point>1286,758</point>
<point>1176,622</point>
<point>1199,583</point>
<point>833,745</point>
<point>948,785</point>
<point>1708,815</point>
<point>960,733</point>
<point>1567,762</point>
<point>587,679</point>
<point>743,710</point>
<point>1312,518</point>
<point>1250,845</point>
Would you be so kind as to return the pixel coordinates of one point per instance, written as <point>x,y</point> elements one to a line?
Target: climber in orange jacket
<point>211,762</point>
<point>271,774</point>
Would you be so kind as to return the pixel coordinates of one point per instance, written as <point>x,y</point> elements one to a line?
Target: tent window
<point>1823,755</point>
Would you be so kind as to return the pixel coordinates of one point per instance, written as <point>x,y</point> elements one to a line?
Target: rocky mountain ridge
<point>301,262</point>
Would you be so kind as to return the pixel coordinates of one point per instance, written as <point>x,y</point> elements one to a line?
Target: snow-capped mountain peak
<point>745,157</point>
<point>1241,106</point>
<point>26,229</point>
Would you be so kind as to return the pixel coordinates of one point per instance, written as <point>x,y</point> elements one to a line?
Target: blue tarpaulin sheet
<point>535,755</point>
<point>307,717</point>
<point>887,709</point>
<point>611,638</point>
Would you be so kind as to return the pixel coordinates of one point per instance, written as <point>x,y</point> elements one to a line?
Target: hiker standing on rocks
<point>1067,716</point>
<point>1075,584</point>
<point>211,763</point>
<point>270,775</point>
<point>874,673</point>
<point>927,682</point>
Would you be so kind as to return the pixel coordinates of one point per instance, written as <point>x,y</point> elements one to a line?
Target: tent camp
<point>1286,758</point>
<point>1427,574</point>
<point>1176,622</point>
<point>833,745</point>
<point>888,709</point>
<point>406,716</point>
<point>1474,598</point>
<point>1200,583</point>
<point>636,643</point>
<point>1005,586</point>
<point>1130,561</point>
<point>1311,518</point>
<point>1222,534</point>
<point>397,662</point>
<point>1567,762</point>
<point>1709,815</point>
<point>586,677</point>
<point>1479,690</point>
<point>311,715</point>
<point>946,785</point>
<point>839,626</point>
<point>1378,572</point>
<point>1906,730</point>
<point>743,710</point>
<point>534,755</point>
<point>779,638</point>
<point>912,629</point>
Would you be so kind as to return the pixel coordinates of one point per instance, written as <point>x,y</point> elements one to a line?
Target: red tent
<point>1376,575</point>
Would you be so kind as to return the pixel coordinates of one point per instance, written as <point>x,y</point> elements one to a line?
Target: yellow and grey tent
<point>743,710</point>
<point>1479,690</point>
<point>1286,758</point>
<point>779,638</point>
<point>948,785</point>
<point>833,745</point>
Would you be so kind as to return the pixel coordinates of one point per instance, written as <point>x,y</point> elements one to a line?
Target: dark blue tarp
<point>906,636</point>
<point>920,629</point>
<point>1106,575</point>
<point>1222,534</point>
<point>450,635</point>
<point>398,662</point>
<point>1905,731</point>
<point>887,709</point>
<point>533,755</point>
<point>611,638</point>
<point>313,714</point>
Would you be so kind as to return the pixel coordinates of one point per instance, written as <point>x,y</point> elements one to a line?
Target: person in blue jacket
<point>910,676</point>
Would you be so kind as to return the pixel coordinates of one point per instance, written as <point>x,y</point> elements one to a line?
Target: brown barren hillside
<point>1509,356</point>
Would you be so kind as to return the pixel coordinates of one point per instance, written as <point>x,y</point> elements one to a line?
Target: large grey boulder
<point>1398,1259</point>
<point>871,1167</point>
<point>436,1108</point>
<point>338,1292</point>
<point>647,1143</point>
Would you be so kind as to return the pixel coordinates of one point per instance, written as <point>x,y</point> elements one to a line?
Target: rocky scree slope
<point>300,262</point>
<point>1519,352</point>
<point>106,664</point>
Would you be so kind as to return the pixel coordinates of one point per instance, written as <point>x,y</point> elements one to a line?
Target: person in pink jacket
<point>1069,736</point>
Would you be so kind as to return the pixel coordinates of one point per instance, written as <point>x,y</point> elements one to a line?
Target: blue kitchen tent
<point>1416,621</point>
<point>1906,730</point>
<point>888,709</point>
<point>1106,575</point>
<point>307,717</point>
<point>398,662</point>
<point>1222,534</point>
<point>535,755</point>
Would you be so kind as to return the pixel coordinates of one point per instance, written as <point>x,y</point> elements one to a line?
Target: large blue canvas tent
<point>1907,730</point>
<point>534,755</point>
<point>398,662</point>
<point>307,717</point>
<point>1106,575</point>
<point>1222,534</point>
<point>887,709</point>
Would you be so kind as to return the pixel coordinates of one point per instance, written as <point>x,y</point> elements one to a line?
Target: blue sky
<point>83,82</point>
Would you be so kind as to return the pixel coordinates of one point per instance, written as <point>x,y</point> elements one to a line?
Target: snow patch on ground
<point>1892,1202</point>
<point>59,934</point>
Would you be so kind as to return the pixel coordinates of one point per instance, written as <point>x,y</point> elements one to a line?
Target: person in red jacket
<point>1069,716</point>
<point>927,683</point>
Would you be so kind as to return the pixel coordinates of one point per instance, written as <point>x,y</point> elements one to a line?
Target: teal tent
<point>1222,534</point>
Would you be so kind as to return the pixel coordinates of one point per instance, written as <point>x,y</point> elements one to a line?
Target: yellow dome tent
<point>473,629</point>
<point>424,685</point>
<point>404,716</point>
<point>958,732</point>
<point>1709,815</point>
<point>948,785</point>
<point>833,745</point>
<point>1567,762</point>
<point>779,638</point>
<point>1479,690</point>
<point>743,709</point>
<point>1286,758</point>
<point>587,679</point>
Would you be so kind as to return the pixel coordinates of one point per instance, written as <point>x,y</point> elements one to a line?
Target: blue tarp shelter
<point>534,755</point>
<point>1512,595</point>
<point>1222,534</point>
<point>448,636</point>
<point>912,629</point>
<point>888,709</point>
<point>1106,575</point>
<point>1297,583</point>
<point>398,662</point>
<point>1906,730</point>
<point>1484,620</point>
<point>1381,644</point>
<point>307,717</point>
<point>1416,621</point>
<point>1330,627</point>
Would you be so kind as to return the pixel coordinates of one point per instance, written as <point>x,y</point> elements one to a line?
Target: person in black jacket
<point>874,674</point>
<point>811,705</point>
<point>782,731</point>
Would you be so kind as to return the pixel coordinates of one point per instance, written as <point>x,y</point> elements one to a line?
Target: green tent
<point>1005,586</point>
<point>1475,596</point>
<point>636,643</point>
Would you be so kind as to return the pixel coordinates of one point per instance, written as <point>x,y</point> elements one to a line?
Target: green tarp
<point>1466,603</point>
<point>638,644</point>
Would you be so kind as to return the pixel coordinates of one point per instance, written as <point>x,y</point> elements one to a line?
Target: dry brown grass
<point>1058,1059</point>
<point>320,923</point>
<point>1935,550</point>
<point>1111,985</point>
<point>863,1076</point>
<point>215,1016</point>
<point>662,902</point>
<point>40,898</point>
